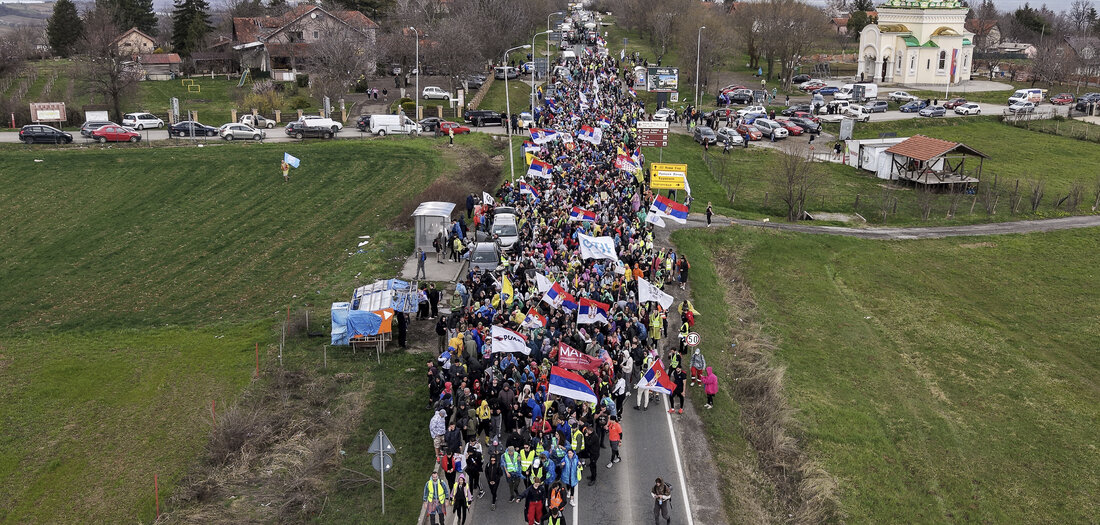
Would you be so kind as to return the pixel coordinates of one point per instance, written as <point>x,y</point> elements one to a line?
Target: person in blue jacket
<point>570,473</point>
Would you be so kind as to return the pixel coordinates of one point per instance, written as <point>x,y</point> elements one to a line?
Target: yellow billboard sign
<point>667,176</point>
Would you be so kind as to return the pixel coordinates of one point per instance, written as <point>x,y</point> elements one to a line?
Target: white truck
<point>1035,95</point>
<point>845,110</point>
<point>389,124</point>
<point>858,92</point>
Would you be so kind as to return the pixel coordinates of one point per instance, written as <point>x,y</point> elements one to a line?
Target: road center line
<point>679,465</point>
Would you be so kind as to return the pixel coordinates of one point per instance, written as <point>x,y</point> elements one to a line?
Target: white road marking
<point>679,465</point>
<point>577,500</point>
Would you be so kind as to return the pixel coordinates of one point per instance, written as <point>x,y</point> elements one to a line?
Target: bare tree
<point>1052,63</point>
<point>453,48</point>
<point>796,179</point>
<point>340,56</point>
<point>1037,190</point>
<point>926,200</point>
<point>1079,16</point>
<point>104,70</point>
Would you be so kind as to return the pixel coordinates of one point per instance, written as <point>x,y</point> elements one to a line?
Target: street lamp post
<point>548,37</point>
<point>508,110</point>
<point>536,69</point>
<point>416,94</point>
<point>698,47</point>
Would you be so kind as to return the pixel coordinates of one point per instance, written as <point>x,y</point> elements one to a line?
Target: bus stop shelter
<point>431,218</point>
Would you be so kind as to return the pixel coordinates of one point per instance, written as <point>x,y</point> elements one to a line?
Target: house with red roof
<point>285,44</point>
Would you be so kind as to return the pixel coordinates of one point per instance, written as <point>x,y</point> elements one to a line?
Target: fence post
<point>856,205</point>
<point>765,199</point>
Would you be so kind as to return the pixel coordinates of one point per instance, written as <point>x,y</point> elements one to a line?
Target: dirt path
<point>698,220</point>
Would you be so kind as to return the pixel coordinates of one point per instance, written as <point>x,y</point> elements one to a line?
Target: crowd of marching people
<point>537,367</point>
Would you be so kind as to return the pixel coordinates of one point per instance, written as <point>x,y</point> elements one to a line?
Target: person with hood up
<point>438,428</point>
<point>698,365</point>
<point>710,386</point>
<point>461,498</point>
<point>493,473</point>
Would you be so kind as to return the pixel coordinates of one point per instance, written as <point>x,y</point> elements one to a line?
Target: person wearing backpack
<point>661,493</point>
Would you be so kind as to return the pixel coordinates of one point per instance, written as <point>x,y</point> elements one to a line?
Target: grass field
<point>939,381</point>
<point>137,283</point>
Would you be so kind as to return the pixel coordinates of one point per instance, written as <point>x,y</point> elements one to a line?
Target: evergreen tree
<point>65,28</point>
<point>131,13</point>
<point>190,25</point>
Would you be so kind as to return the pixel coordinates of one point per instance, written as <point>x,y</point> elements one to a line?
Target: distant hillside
<point>14,15</point>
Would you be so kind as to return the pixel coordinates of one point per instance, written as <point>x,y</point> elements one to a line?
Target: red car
<point>115,134</point>
<point>1062,98</point>
<point>445,127</point>
<point>953,103</point>
<point>731,89</point>
<point>751,131</point>
<point>803,114</point>
<point>813,87</point>
<point>791,127</point>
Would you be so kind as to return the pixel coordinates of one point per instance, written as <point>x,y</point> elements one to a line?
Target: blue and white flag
<point>291,159</point>
<point>597,247</point>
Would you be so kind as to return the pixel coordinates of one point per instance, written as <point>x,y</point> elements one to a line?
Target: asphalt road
<point>621,493</point>
<point>932,232</point>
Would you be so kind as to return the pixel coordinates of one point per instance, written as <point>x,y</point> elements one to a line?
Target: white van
<point>385,124</point>
<point>858,92</point>
<point>1035,95</point>
<point>568,54</point>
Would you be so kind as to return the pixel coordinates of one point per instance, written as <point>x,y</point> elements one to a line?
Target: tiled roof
<point>159,58</point>
<point>924,148</point>
<point>255,29</point>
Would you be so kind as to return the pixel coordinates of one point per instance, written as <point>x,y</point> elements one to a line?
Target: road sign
<point>693,339</point>
<point>652,134</point>
<point>542,65</point>
<point>667,176</point>
<point>381,460</point>
<point>652,124</point>
<point>381,445</point>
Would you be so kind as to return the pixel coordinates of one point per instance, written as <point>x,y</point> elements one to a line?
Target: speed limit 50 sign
<point>693,339</point>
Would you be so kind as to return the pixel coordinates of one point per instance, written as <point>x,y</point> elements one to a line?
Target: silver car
<point>505,231</point>
<point>771,128</point>
<point>484,256</point>
<point>730,135</point>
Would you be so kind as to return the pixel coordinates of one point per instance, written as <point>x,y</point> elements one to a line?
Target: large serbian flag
<point>656,379</point>
<point>581,214</point>
<point>542,136</point>
<point>671,209</point>
<point>569,384</point>
<point>540,169</point>
<point>534,319</point>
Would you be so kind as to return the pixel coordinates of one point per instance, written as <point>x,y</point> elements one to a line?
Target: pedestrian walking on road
<point>710,386</point>
<point>592,449</point>
<point>534,499</point>
<point>436,495</point>
<point>461,497</point>
<point>615,436</point>
<point>661,493</point>
<point>493,473</point>
<point>420,258</point>
<point>678,377</point>
<point>514,472</point>
<point>710,209</point>
<point>698,366</point>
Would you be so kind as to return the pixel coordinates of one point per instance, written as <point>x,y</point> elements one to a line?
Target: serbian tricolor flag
<point>534,319</point>
<point>542,136</point>
<point>555,295</point>
<point>632,92</point>
<point>588,134</point>
<point>590,311</point>
<point>570,384</point>
<point>530,147</point>
<point>656,379</point>
<point>528,189</point>
<point>579,214</point>
<point>604,121</point>
<point>540,169</point>
<point>667,207</point>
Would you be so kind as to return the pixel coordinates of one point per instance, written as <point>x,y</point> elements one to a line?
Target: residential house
<point>218,57</point>
<point>840,23</point>
<point>134,42</point>
<point>284,44</point>
<point>987,33</point>
<point>1086,49</point>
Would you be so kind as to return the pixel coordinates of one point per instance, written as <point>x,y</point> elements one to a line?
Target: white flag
<point>486,198</point>
<point>543,282</point>
<point>648,292</point>
<point>654,217</point>
<point>505,340</point>
<point>597,247</point>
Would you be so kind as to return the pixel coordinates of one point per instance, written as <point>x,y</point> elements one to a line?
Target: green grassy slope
<point>940,381</point>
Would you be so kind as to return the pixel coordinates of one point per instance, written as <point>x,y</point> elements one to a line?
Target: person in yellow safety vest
<point>513,472</point>
<point>436,495</point>
<point>655,327</point>
<point>555,519</point>
<point>537,471</point>
<point>577,441</point>
<point>526,457</point>
<point>684,330</point>
<point>674,360</point>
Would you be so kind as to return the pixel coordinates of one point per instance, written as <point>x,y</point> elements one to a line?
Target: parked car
<point>901,97</point>
<point>663,115</point>
<point>431,92</point>
<point>505,231</point>
<point>1022,107</point>
<point>913,107</point>
<point>445,128</point>
<point>969,108</point>
<point>807,125</point>
<point>256,121</point>
<point>429,124</point>
<point>1083,101</point>
<point>876,106</point>
<point>749,118</point>
<point>857,112</point>
<point>792,128</point>
<point>525,120</point>
<point>812,85</point>
<point>115,133</point>
<point>741,96</point>
<point>771,129</point>
<point>41,133</point>
<point>140,121</point>
<point>787,112</point>
<point>807,116</point>
<point>481,117</point>
<point>484,256</point>
<point>750,130</point>
<point>729,135</point>
<point>827,90</point>
<point>728,90</point>
<point>950,104</point>
<point>87,128</point>
<point>363,122</point>
<point>317,121</point>
<point>933,111</point>
<point>704,135</point>
<point>302,129</point>
<point>500,71</point>
<point>751,109</point>
<point>798,79</point>
<point>809,82</point>
<point>1061,99</point>
<point>722,113</point>
<point>190,128</point>
<point>240,132</point>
